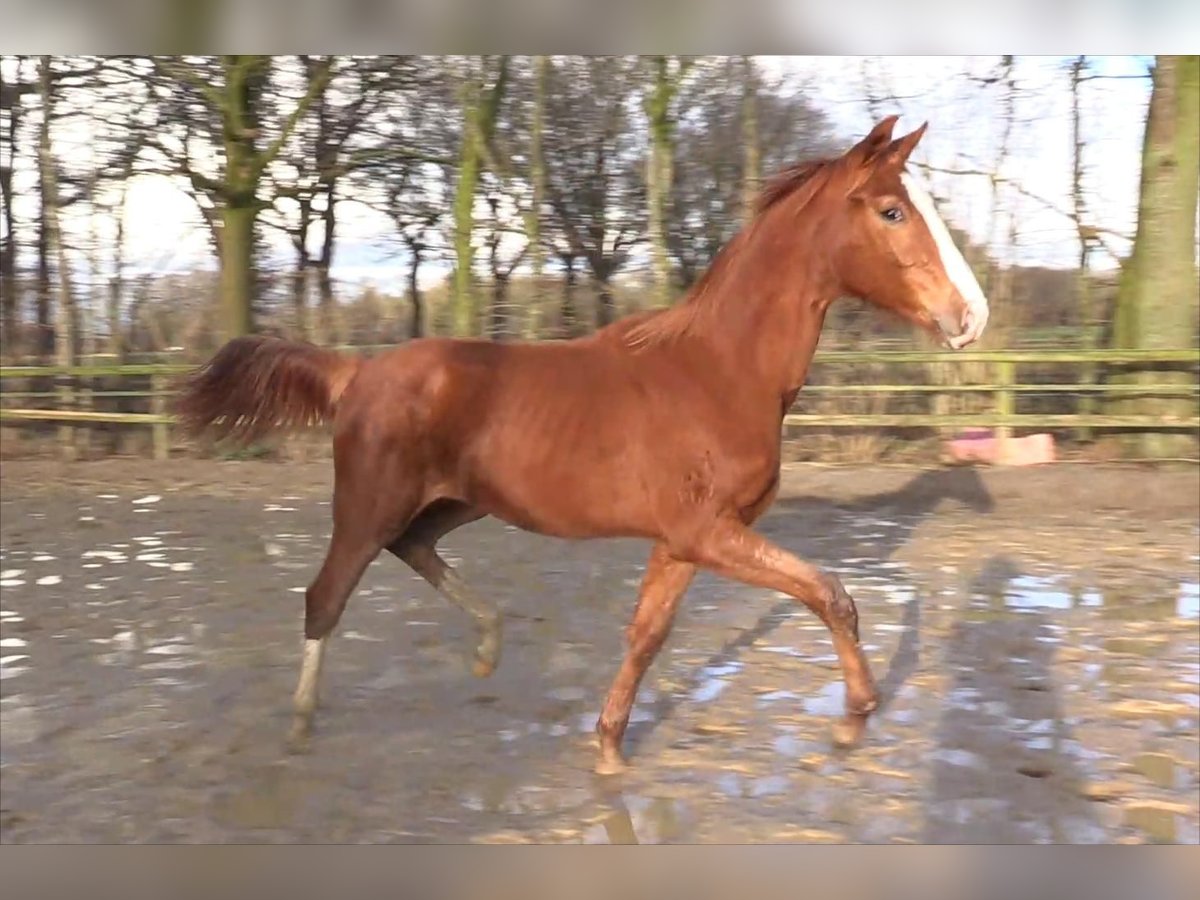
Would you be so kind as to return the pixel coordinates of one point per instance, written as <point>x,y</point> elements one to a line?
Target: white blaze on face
<point>956,267</point>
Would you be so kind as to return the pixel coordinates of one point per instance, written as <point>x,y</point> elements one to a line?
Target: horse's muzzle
<point>960,330</point>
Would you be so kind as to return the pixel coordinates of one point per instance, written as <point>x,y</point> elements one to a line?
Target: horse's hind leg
<point>417,547</point>
<point>350,552</point>
<point>364,519</point>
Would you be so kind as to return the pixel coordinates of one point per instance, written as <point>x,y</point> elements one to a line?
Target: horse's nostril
<point>952,324</point>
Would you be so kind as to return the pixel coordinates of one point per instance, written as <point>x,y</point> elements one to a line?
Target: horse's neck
<point>767,312</point>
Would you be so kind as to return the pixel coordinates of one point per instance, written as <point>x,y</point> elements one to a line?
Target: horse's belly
<point>567,501</point>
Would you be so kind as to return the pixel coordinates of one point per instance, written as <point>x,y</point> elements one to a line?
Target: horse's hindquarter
<point>581,440</point>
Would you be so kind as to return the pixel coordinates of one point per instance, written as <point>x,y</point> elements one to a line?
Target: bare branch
<point>315,88</point>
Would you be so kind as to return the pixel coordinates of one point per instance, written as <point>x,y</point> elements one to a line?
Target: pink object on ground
<point>981,445</point>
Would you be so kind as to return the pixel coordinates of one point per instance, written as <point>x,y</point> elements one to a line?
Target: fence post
<point>158,406</point>
<point>64,401</point>
<point>1005,397</point>
<point>86,402</point>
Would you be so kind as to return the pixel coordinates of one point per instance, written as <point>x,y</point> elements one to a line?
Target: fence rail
<point>75,391</point>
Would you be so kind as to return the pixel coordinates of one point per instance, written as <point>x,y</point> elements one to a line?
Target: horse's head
<point>890,246</point>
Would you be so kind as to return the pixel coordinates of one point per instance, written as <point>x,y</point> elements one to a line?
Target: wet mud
<point>1037,643</point>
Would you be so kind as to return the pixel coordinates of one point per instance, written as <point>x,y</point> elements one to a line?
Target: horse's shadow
<point>909,506</point>
<point>1006,773</point>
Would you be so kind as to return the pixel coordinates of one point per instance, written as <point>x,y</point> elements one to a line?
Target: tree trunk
<point>116,285</point>
<point>462,287</point>
<point>237,268</point>
<point>300,296</point>
<point>569,317</point>
<point>479,123</point>
<point>8,250</point>
<point>752,152</point>
<point>243,83</point>
<point>537,177</point>
<point>1087,318</point>
<point>500,306</point>
<point>658,176</point>
<point>416,327</point>
<point>605,307</point>
<point>329,327</point>
<point>300,273</point>
<point>1157,297</point>
<point>44,335</point>
<point>66,330</point>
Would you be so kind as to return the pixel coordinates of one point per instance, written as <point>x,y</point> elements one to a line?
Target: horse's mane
<point>802,180</point>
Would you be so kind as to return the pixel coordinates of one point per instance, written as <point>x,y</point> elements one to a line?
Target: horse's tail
<point>257,385</point>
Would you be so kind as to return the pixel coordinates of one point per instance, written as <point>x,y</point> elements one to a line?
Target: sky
<point>965,124</point>
<point>164,232</point>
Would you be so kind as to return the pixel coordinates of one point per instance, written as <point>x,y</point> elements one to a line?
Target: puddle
<point>1188,604</point>
<point>1161,823</point>
<point>830,701</point>
<point>1160,769</point>
<point>154,710</point>
<point>1036,592</point>
<point>641,820</point>
<point>771,697</point>
<point>714,679</point>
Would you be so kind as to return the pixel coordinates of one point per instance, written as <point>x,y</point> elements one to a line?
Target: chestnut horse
<point>663,426</point>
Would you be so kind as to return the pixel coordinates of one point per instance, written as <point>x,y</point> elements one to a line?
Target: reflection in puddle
<point>829,701</point>
<point>1160,822</point>
<point>1159,769</point>
<point>9,660</point>
<point>787,746</point>
<point>1188,604</point>
<point>775,696</point>
<point>714,680</point>
<point>641,820</point>
<point>955,756</point>
<point>1036,592</point>
<point>271,801</point>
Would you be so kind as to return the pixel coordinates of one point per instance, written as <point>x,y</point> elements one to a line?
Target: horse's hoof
<point>482,668</point>
<point>848,732</point>
<point>611,765</point>
<point>298,738</point>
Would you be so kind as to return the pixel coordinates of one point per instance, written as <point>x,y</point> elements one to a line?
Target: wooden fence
<point>73,394</point>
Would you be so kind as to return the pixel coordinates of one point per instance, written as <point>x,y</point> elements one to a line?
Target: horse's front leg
<point>731,549</point>
<point>663,586</point>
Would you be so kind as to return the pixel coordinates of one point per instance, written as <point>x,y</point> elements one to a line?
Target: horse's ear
<point>901,149</point>
<point>879,138</point>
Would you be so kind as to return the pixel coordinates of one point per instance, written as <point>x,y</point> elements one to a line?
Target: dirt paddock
<point>1034,631</point>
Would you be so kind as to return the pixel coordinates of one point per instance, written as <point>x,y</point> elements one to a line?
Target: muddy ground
<point>1035,634</point>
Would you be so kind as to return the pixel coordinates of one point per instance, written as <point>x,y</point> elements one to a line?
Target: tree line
<point>535,183</point>
<point>482,165</point>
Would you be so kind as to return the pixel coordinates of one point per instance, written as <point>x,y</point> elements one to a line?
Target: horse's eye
<point>893,214</point>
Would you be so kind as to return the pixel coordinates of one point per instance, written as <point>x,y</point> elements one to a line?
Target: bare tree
<point>349,128</point>
<point>659,101</point>
<point>718,179</point>
<point>751,144</point>
<point>1158,295</point>
<point>482,92</point>
<point>67,319</point>
<point>216,129</point>
<point>593,160</point>
<point>12,92</point>
<point>501,267</point>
